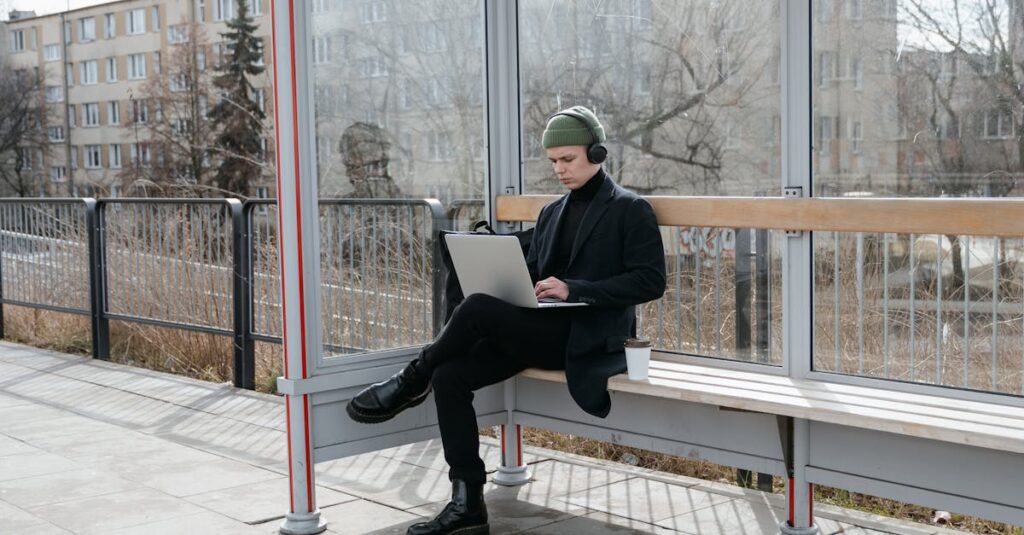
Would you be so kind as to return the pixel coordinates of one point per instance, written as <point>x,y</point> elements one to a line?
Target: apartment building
<point>94,64</point>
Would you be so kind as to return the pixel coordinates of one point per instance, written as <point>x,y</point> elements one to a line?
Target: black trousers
<point>485,342</point>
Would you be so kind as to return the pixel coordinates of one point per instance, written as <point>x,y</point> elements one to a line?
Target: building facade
<point>100,68</point>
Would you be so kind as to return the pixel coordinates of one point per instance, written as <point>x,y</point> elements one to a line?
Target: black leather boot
<point>466,514</point>
<point>382,401</point>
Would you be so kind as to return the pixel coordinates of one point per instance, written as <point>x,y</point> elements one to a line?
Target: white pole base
<point>786,529</point>
<point>512,476</point>
<point>303,523</point>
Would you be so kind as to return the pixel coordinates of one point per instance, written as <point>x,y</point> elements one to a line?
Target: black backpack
<point>452,291</point>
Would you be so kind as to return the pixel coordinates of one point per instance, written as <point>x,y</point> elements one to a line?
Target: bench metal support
<point>513,471</point>
<point>795,435</point>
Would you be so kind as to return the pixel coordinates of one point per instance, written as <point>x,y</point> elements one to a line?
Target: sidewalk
<point>92,447</point>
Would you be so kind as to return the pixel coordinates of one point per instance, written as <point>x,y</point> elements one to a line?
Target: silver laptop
<point>494,265</point>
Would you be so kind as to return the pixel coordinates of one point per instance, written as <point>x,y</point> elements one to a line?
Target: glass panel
<point>723,298</point>
<point>918,99</point>
<point>688,92</point>
<point>398,96</point>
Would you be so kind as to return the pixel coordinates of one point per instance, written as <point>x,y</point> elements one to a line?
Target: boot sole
<point>376,418</point>
<point>472,530</point>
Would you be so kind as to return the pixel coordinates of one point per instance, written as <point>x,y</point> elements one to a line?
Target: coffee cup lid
<point>637,342</point>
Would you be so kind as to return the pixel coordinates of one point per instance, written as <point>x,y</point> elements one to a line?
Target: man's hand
<point>551,288</point>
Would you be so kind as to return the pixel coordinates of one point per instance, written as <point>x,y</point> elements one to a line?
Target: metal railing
<point>886,305</point>
<point>211,266</point>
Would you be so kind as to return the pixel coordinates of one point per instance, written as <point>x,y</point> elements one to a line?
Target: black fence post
<point>244,368</point>
<point>743,286</point>
<point>94,220</point>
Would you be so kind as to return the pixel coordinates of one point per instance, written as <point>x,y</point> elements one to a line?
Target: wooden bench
<point>943,451</point>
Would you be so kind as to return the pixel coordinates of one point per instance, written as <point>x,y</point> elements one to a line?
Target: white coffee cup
<point>638,358</point>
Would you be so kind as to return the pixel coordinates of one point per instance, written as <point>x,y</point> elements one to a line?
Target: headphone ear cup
<point>597,153</point>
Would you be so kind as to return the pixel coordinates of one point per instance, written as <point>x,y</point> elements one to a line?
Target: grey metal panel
<point>926,497</point>
<point>639,420</point>
<point>332,427</point>
<point>390,440</point>
<point>972,473</point>
<point>675,447</point>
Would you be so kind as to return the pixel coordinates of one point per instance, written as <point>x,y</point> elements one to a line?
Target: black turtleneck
<point>575,208</point>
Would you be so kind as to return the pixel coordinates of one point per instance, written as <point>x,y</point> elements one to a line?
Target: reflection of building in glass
<point>97,67</point>
<point>413,69</point>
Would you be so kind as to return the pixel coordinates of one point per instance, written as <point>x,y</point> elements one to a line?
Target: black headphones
<point>596,152</point>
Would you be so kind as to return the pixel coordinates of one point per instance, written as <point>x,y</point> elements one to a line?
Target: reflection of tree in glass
<point>365,152</point>
<point>678,86</point>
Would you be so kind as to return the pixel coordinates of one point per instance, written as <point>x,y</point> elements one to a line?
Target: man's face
<point>571,165</point>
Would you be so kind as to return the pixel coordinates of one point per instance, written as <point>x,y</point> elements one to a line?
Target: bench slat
<point>976,407</point>
<point>979,217</point>
<point>805,403</point>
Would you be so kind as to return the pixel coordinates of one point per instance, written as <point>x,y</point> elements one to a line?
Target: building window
<point>258,60</point>
<point>115,189</point>
<point>180,127</point>
<point>141,155</point>
<point>92,157</point>
<point>321,49</point>
<point>86,29</point>
<point>201,60</point>
<point>374,11</point>
<point>856,137</point>
<point>91,114</point>
<point>140,111</point>
<point>136,21</point>
<point>26,158</point>
<point>136,66</point>
<point>826,66</point>
<point>177,34</point>
<point>74,158</point>
<point>58,173</point>
<point>374,67</point>
<point>109,26</point>
<point>178,83</point>
<point>89,73</point>
<point>439,146</point>
<point>18,40</point>
<point>111,69</point>
<point>54,93</point>
<point>200,11</point>
<point>113,113</point>
<point>857,72</point>
<point>55,133</point>
<point>204,106</point>
<point>69,73</point>
<point>854,9</point>
<point>155,19</point>
<point>71,115</point>
<point>223,9</point>
<point>260,97</point>
<point>51,52</point>
<point>998,124</point>
<point>321,6</point>
<point>156,62</point>
<point>67,31</point>
<point>255,8</point>
<point>825,142</point>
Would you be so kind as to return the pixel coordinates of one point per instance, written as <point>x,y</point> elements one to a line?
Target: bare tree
<point>170,119</point>
<point>23,118</point>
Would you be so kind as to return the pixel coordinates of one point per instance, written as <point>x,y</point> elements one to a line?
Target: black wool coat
<point>617,262</point>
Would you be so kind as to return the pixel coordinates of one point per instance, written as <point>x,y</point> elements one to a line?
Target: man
<point>599,245</point>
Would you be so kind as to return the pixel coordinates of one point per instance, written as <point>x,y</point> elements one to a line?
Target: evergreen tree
<point>237,113</point>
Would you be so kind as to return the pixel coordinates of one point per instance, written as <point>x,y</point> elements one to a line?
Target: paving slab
<point>261,502</point>
<point>45,489</point>
<point>645,500</point>
<point>18,520</point>
<point>101,514</point>
<point>34,464</point>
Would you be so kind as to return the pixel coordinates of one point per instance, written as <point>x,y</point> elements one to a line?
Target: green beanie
<point>565,130</point>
